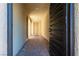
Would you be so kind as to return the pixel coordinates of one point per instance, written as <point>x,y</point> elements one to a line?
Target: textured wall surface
<point>3,29</point>
<point>57,29</point>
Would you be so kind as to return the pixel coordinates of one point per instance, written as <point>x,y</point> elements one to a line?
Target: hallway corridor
<point>35,46</point>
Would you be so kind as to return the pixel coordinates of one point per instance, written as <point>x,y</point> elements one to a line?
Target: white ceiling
<point>37,10</point>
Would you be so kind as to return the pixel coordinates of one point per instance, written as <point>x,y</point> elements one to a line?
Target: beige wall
<point>45,27</point>
<point>41,11</point>
<point>40,26</point>
<point>19,27</point>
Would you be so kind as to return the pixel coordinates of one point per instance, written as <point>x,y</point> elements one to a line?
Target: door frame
<point>67,29</point>
<point>70,39</point>
<point>9,29</point>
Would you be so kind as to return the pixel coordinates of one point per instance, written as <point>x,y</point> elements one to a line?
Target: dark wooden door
<point>57,29</point>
